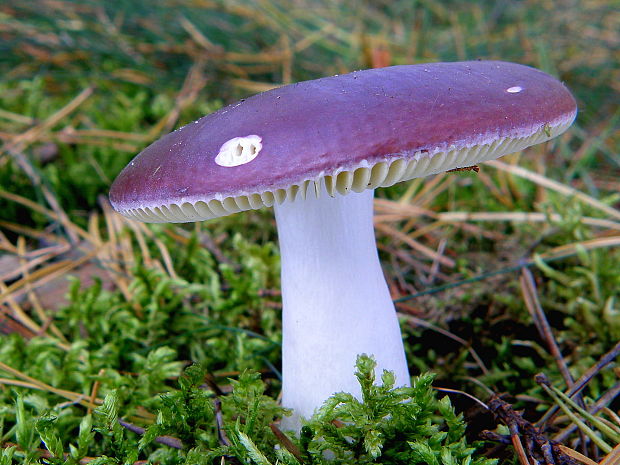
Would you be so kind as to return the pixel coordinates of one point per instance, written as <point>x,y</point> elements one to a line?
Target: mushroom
<point>316,151</point>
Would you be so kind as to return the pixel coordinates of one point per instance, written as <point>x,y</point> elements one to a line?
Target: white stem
<point>336,303</point>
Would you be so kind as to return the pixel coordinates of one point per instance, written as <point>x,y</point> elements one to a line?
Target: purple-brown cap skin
<point>319,129</point>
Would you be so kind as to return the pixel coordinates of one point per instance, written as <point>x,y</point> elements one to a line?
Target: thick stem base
<point>336,303</point>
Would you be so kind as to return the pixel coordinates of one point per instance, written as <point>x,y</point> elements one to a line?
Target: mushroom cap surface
<point>354,131</point>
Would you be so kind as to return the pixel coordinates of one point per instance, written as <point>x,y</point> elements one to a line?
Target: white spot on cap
<point>239,151</point>
<point>514,90</point>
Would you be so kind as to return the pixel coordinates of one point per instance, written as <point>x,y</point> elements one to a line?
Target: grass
<point>124,343</point>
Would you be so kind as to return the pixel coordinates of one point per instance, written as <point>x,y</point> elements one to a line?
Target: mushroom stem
<point>336,303</point>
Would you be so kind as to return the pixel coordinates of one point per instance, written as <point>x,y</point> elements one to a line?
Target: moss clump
<point>194,425</point>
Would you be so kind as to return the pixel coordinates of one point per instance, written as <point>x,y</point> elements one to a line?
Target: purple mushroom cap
<point>355,131</point>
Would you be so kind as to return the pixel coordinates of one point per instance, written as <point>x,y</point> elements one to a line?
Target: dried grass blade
<point>33,262</point>
<point>32,296</point>
<point>44,275</point>
<point>407,210</point>
<point>600,442</point>
<point>254,86</point>
<point>516,443</point>
<point>198,37</point>
<point>26,203</point>
<point>5,244</point>
<point>430,189</point>
<point>70,138</point>
<point>502,197</point>
<point>391,211</point>
<point>613,458</point>
<point>596,422</point>
<point>313,37</point>
<point>110,134</point>
<point>613,415</point>
<point>40,385</point>
<point>44,211</point>
<point>194,83</point>
<point>569,249</point>
<point>19,314</point>
<point>555,185</point>
<point>521,217</point>
<point>600,403</point>
<point>583,380</point>
<point>16,117</point>
<point>576,455</point>
<point>34,233</point>
<point>19,142</point>
<point>137,232</point>
<point>125,244</point>
<point>393,232</point>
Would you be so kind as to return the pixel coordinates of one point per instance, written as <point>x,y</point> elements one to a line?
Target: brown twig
<point>284,440</point>
<point>530,295</point>
<point>219,422</point>
<point>531,445</point>
<point>221,432</point>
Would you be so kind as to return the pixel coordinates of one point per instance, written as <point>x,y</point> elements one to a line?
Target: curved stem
<point>336,304</point>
